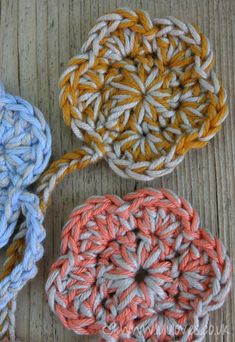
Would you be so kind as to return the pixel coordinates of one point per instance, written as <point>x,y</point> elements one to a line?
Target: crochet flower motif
<point>142,93</point>
<point>138,269</point>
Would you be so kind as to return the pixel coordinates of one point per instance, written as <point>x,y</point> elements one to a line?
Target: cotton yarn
<point>25,149</point>
<point>138,269</point>
<point>142,93</point>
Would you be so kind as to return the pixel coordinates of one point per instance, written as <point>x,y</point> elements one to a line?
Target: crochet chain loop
<point>69,163</point>
<point>26,248</point>
<point>25,149</point>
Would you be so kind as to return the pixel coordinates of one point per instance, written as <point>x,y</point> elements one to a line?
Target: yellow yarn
<point>143,91</point>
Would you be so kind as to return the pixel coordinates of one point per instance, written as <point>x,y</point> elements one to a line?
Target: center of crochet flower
<point>141,275</point>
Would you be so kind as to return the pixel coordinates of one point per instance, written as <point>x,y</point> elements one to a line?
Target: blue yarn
<point>25,140</point>
<point>25,149</point>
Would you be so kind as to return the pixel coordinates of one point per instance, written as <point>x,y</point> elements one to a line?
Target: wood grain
<point>37,38</point>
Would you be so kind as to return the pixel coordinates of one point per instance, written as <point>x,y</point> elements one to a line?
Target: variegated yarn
<point>25,148</point>
<point>138,269</point>
<point>142,93</point>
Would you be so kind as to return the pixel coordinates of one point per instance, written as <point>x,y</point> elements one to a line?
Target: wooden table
<point>37,38</point>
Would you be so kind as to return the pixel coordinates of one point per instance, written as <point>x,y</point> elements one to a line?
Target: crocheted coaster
<point>142,93</point>
<point>25,148</point>
<point>138,269</point>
